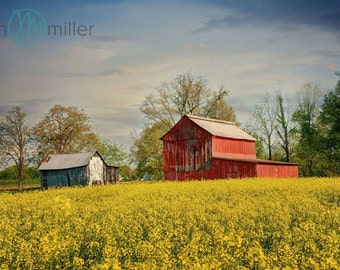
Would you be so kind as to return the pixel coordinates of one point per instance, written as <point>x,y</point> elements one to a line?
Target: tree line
<point>63,130</point>
<point>307,132</point>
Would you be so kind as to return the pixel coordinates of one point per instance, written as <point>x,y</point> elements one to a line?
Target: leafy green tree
<point>64,130</point>
<point>112,152</point>
<point>330,120</point>
<point>307,149</point>
<point>127,173</point>
<point>11,173</point>
<point>14,136</point>
<point>147,150</point>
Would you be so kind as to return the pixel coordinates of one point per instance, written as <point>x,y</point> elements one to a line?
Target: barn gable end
<point>185,129</point>
<point>187,147</point>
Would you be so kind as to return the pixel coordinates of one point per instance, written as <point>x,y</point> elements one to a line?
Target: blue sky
<point>251,47</point>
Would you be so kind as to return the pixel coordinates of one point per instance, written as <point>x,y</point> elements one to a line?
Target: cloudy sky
<point>251,47</point>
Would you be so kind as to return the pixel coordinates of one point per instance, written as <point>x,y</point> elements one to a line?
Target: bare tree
<point>14,140</point>
<point>187,94</point>
<point>283,128</point>
<point>263,121</point>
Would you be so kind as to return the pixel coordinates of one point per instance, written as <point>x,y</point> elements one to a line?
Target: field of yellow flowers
<point>220,224</point>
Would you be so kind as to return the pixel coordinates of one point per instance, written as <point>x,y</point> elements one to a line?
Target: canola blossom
<point>217,224</point>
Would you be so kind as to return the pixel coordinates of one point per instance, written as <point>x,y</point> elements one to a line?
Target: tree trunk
<point>269,147</point>
<point>21,173</point>
<point>287,153</point>
<point>20,183</point>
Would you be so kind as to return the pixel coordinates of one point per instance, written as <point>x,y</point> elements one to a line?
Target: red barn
<point>203,148</point>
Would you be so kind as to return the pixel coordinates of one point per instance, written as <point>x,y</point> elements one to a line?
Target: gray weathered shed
<point>77,169</point>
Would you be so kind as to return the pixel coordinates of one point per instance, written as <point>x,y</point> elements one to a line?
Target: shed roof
<point>220,128</point>
<point>66,161</point>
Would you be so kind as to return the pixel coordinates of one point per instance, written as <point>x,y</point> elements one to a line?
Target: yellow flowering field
<point>219,224</point>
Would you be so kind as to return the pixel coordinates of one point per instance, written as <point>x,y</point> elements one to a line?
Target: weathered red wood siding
<point>233,148</point>
<point>187,155</point>
<point>229,168</point>
<point>191,152</point>
<point>220,169</point>
<point>277,170</point>
<point>187,148</point>
<point>186,130</point>
<point>223,168</point>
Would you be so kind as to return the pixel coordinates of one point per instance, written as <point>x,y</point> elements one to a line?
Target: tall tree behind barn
<point>77,169</point>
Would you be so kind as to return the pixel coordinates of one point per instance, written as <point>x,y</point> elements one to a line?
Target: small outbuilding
<point>80,169</point>
<point>204,148</point>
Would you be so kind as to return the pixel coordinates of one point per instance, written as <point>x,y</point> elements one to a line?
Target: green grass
<point>13,184</point>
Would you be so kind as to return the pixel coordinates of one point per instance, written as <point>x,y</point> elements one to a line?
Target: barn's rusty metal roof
<point>221,128</point>
<point>66,161</point>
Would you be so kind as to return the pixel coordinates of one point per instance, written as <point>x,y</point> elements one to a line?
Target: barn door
<point>192,158</point>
